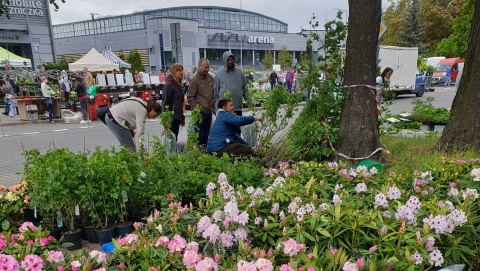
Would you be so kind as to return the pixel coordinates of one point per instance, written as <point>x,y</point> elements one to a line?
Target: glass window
<point>177,13</point>
<point>189,14</point>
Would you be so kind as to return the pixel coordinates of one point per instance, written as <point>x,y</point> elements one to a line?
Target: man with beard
<point>200,93</point>
<point>231,79</point>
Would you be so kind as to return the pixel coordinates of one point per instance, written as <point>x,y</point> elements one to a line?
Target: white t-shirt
<point>380,84</point>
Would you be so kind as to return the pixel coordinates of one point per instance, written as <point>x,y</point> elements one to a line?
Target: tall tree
<point>135,59</point>
<point>411,28</point>
<point>285,59</point>
<point>463,126</point>
<point>456,44</point>
<point>359,134</point>
<point>393,17</point>
<point>268,60</point>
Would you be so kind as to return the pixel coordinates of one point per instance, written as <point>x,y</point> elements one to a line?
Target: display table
<point>22,103</point>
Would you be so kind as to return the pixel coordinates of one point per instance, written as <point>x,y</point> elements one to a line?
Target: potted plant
<point>54,181</point>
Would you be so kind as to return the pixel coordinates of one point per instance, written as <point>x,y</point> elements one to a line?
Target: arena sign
<point>25,7</point>
<point>237,38</point>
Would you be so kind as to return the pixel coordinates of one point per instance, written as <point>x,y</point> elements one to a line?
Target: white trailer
<point>403,61</point>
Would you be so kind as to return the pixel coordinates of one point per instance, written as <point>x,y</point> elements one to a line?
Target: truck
<point>403,61</point>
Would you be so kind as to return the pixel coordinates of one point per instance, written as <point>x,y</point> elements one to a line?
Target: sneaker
<point>83,121</point>
<point>4,113</point>
<point>89,120</point>
<point>51,122</point>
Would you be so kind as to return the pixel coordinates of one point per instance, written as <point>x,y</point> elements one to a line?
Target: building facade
<point>183,34</point>
<point>28,32</point>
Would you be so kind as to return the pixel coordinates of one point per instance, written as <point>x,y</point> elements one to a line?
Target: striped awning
<point>115,59</point>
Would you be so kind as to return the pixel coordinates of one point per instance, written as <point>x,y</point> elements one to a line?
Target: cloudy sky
<point>296,13</point>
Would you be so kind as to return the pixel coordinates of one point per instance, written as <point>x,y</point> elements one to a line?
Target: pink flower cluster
<point>261,264</point>
<point>27,226</point>
<point>7,262</point>
<point>446,223</point>
<point>32,263</point>
<point>55,256</point>
<point>191,257</point>
<point>435,258</point>
<point>291,247</point>
<point>380,201</point>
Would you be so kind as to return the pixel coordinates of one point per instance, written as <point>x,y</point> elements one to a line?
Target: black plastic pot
<point>124,228</point>
<point>91,235</point>
<point>74,237</point>
<point>106,235</point>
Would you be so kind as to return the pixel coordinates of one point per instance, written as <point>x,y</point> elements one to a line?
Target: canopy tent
<point>115,59</point>
<point>94,61</point>
<point>13,59</point>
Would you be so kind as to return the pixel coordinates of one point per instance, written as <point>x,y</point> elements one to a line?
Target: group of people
<point>204,91</point>
<point>282,80</point>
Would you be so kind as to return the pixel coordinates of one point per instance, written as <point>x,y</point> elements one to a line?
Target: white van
<point>433,61</point>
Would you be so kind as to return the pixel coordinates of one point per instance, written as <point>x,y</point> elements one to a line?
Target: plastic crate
<point>102,99</point>
<point>144,95</point>
<point>92,109</point>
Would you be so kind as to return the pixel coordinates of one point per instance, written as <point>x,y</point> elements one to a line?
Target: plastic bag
<point>169,142</point>
<point>182,136</point>
<point>92,91</point>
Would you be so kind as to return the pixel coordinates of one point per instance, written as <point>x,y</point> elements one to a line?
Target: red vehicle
<point>439,75</point>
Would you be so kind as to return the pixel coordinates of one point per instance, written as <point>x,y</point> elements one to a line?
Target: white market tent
<point>94,61</point>
<point>13,59</point>
<point>115,59</point>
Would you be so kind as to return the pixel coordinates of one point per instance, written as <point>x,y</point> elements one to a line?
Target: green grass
<point>408,154</point>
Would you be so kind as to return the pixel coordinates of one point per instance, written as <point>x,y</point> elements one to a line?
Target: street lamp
<point>229,36</point>
<point>94,27</point>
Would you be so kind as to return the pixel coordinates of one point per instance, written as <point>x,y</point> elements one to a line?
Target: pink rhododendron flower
<point>7,262</point>
<point>161,241</point>
<point>286,267</point>
<point>207,264</point>
<point>349,266</point>
<point>264,265</point>
<point>3,242</point>
<point>311,269</point>
<point>191,258</point>
<point>360,263</point>
<point>101,256</point>
<point>177,243</point>
<point>30,242</point>
<point>416,258</point>
<point>372,249</point>
<point>121,266</point>
<point>291,247</point>
<point>55,256</point>
<point>75,265</point>
<point>32,263</point>
<point>435,258</point>
<point>27,225</point>
<point>60,268</point>
<point>333,251</point>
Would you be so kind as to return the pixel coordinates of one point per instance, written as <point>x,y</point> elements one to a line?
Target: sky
<point>296,13</point>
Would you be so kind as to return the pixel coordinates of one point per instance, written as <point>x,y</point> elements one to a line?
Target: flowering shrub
<point>374,219</point>
<point>306,216</point>
<point>12,204</point>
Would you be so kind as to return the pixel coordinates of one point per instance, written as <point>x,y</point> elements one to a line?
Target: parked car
<point>439,75</point>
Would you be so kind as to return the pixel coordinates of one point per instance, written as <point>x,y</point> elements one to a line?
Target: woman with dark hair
<point>130,114</point>
<point>382,82</point>
<point>173,97</point>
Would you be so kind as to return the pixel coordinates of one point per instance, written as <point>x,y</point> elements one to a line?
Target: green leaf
<point>5,225</point>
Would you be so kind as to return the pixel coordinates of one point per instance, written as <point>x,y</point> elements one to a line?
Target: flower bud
<point>284,232</point>
<point>299,228</point>
<point>403,228</point>
<point>200,205</point>
<point>314,197</point>
<point>265,224</point>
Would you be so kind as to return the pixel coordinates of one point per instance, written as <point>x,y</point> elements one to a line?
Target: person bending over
<point>130,114</point>
<point>223,137</point>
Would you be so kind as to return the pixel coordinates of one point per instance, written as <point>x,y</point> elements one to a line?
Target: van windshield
<point>442,67</point>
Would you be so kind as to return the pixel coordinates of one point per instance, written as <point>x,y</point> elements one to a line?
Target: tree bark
<point>359,134</point>
<point>463,128</point>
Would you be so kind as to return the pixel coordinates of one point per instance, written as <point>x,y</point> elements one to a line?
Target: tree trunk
<point>463,128</point>
<point>359,134</point>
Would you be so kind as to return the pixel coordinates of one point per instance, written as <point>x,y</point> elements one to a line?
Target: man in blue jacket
<point>223,137</point>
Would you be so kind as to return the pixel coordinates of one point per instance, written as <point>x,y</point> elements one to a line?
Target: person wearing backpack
<point>130,114</point>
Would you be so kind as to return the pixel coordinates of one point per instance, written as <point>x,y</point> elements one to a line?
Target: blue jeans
<point>50,108</point>
<point>204,129</point>
<point>7,106</point>
<point>175,127</point>
<point>448,81</point>
<point>121,133</point>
